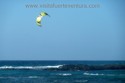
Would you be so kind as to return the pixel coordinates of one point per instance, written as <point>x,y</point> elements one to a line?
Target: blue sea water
<point>40,72</point>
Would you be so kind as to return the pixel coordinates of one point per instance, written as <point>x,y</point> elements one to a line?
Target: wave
<point>81,81</point>
<point>33,77</point>
<point>79,67</point>
<point>98,74</point>
<point>72,67</point>
<point>6,77</point>
<point>22,77</point>
<point>93,74</point>
<point>65,74</point>
<point>29,67</point>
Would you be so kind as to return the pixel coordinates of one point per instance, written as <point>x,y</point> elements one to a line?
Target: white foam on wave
<point>30,67</point>
<point>97,74</point>
<point>21,77</point>
<point>57,66</point>
<point>16,67</point>
<point>93,74</point>
<point>65,74</point>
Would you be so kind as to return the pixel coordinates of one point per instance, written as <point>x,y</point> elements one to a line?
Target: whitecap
<point>29,67</point>
<point>93,74</point>
<point>57,66</point>
<point>65,74</point>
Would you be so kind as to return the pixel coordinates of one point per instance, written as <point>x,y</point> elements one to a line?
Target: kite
<point>39,18</point>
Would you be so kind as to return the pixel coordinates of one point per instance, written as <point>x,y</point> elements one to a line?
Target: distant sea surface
<point>62,72</point>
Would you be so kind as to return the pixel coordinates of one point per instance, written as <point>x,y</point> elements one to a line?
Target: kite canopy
<point>39,18</point>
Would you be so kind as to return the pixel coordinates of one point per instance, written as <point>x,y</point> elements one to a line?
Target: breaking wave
<point>93,74</point>
<point>29,67</point>
<point>78,67</point>
<point>10,77</point>
<point>98,74</point>
<point>65,74</point>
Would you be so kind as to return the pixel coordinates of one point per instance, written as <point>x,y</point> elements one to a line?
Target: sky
<point>69,34</point>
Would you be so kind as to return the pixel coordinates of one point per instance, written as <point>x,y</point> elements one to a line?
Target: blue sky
<point>69,34</point>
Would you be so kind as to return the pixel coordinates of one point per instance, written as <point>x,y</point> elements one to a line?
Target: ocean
<point>62,71</point>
